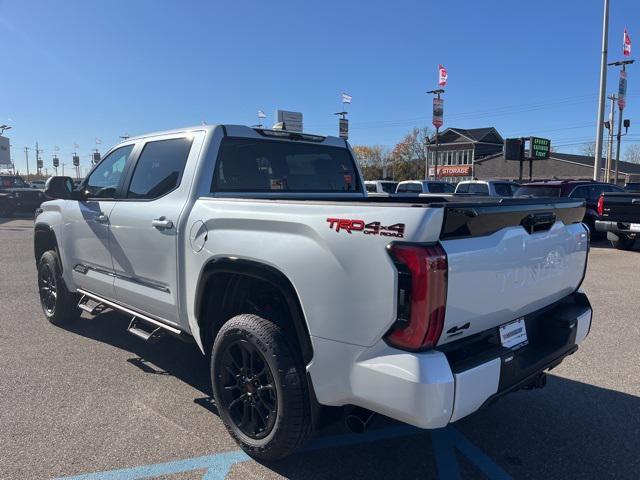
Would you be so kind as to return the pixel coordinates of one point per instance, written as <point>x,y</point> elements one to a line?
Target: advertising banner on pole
<point>344,128</point>
<point>5,153</point>
<point>438,112</point>
<point>622,90</point>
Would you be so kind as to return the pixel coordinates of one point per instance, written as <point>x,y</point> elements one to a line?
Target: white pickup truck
<point>263,247</point>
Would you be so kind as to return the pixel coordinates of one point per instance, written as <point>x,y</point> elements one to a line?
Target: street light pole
<point>607,173</point>
<point>26,154</point>
<point>597,157</point>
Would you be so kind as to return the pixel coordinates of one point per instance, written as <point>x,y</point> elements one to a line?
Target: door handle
<point>102,218</point>
<point>161,223</point>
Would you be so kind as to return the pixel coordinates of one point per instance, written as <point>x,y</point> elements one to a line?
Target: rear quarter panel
<point>346,282</point>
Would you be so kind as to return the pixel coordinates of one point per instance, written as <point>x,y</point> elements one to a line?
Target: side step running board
<point>145,331</point>
<point>144,327</point>
<point>91,306</point>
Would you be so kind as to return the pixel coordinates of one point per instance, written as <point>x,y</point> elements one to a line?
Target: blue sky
<point>76,70</point>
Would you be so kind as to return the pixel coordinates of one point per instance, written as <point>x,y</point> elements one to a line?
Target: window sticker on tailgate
<point>372,228</point>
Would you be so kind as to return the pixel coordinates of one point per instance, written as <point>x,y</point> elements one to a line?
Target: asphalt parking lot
<point>93,402</point>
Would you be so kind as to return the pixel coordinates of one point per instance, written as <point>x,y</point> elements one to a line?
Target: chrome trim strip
<point>129,311</point>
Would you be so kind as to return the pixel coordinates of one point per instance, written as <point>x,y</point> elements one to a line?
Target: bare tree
<point>589,149</point>
<point>632,153</point>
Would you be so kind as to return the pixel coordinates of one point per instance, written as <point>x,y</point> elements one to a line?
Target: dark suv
<point>17,196</point>
<point>586,189</point>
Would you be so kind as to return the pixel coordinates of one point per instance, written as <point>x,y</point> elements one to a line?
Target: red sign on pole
<point>438,112</point>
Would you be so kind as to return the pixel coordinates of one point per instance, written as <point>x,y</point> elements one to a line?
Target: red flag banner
<point>626,45</point>
<point>442,76</point>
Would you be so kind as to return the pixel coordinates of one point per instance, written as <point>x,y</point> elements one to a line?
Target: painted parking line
<point>445,442</point>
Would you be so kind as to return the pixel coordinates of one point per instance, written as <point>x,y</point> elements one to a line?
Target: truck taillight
<point>600,205</point>
<point>422,296</point>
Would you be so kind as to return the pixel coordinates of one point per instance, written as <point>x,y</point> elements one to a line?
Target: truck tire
<point>622,242</point>
<point>5,210</point>
<point>260,388</point>
<point>58,304</point>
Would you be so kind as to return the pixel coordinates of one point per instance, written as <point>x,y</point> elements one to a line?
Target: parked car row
<point>620,229</point>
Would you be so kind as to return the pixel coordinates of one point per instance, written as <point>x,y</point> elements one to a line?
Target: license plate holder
<point>514,334</point>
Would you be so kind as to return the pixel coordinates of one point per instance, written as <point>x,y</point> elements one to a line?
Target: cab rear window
<point>256,165</point>
<point>537,192</point>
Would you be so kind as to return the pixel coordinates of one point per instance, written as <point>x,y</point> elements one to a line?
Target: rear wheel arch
<point>225,283</point>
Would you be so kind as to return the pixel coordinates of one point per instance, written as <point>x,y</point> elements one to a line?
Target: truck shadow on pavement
<point>567,430</point>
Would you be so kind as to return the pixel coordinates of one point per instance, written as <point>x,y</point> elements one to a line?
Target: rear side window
<point>479,188</point>
<point>370,187</point>
<point>581,192</point>
<point>409,187</point>
<point>388,187</point>
<point>159,168</point>
<point>255,165</point>
<point>503,189</point>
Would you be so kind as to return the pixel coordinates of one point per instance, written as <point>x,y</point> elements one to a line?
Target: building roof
<point>485,134</point>
<point>624,167</point>
<point>587,161</point>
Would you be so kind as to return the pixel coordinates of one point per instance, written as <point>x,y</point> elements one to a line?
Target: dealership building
<point>477,153</point>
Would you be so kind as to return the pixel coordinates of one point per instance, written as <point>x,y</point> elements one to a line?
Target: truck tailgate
<point>621,207</point>
<point>507,261</point>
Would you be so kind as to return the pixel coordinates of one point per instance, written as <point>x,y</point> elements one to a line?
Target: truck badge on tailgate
<point>372,228</point>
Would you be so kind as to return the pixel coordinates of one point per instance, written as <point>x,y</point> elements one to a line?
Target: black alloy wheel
<point>248,390</point>
<point>48,287</point>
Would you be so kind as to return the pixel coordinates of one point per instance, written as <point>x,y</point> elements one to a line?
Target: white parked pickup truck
<point>263,247</point>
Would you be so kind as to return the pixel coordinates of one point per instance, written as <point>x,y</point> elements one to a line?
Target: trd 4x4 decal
<point>372,228</point>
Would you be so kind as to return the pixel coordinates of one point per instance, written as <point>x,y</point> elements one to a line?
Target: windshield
<point>530,191</point>
<point>12,182</point>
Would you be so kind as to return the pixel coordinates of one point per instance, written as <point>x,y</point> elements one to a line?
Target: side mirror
<point>59,187</point>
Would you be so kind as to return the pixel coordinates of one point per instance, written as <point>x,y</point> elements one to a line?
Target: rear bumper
<point>433,388</point>
<point>622,228</point>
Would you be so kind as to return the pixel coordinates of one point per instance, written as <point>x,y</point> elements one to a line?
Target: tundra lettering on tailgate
<point>371,228</point>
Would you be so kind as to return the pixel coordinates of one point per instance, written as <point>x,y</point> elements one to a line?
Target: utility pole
<point>37,160</point>
<point>437,122</point>
<point>607,173</point>
<point>622,90</point>
<point>597,157</point>
<point>26,154</point>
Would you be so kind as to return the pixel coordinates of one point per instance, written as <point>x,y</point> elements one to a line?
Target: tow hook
<point>358,419</point>
<point>539,382</point>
